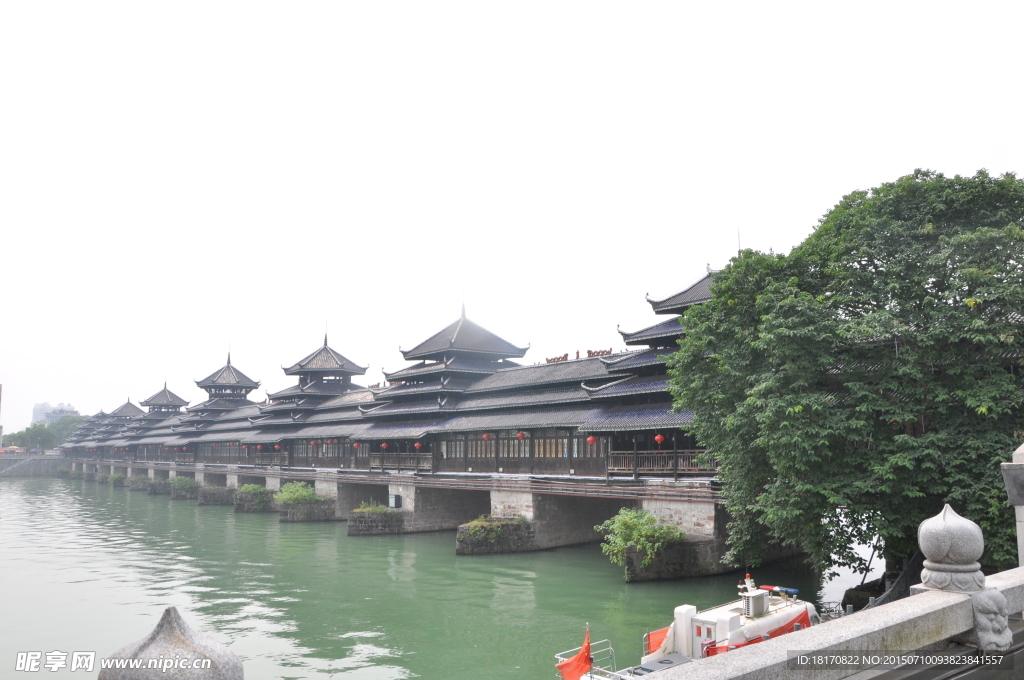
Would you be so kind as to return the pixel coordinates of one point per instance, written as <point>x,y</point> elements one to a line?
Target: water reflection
<point>304,600</point>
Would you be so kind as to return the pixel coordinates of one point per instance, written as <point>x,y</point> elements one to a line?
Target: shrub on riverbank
<point>216,495</point>
<point>159,487</point>
<point>373,519</point>
<point>254,498</point>
<point>184,488</point>
<point>101,479</point>
<point>63,472</point>
<point>294,493</point>
<point>639,530</point>
<point>490,529</point>
<point>371,506</point>
<point>138,483</point>
<point>488,535</point>
<point>117,480</point>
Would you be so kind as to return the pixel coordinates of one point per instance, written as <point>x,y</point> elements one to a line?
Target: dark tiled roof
<point>357,396</point>
<point>649,384</point>
<point>429,406</point>
<point>626,362</point>
<point>533,418</point>
<point>695,293</point>
<point>164,398</point>
<point>336,430</point>
<point>462,335</point>
<point>269,437</point>
<point>127,409</point>
<point>561,372</point>
<point>458,384</point>
<point>228,376</point>
<point>452,365</point>
<point>640,417</point>
<point>335,415</point>
<point>314,388</point>
<point>663,333</point>
<point>325,360</point>
<point>559,395</point>
<point>220,404</point>
<point>413,430</point>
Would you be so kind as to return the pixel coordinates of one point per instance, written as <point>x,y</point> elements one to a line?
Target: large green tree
<point>63,428</point>
<point>36,436</point>
<point>851,387</point>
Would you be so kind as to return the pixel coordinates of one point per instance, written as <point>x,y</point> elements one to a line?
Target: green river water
<point>87,567</point>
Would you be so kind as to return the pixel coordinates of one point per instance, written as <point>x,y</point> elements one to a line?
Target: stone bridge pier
<point>430,509</point>
<point>422,509</point>
<point>236,481</point>
<point>549,520</point>
<point>348,497</point>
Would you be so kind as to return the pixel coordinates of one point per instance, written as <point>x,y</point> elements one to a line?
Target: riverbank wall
<point>32,466</point>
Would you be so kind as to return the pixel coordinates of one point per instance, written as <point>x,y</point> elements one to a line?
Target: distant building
<point>57,414</point>
<point>40,411</point>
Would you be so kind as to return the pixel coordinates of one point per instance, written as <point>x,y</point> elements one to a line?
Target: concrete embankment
<point>31,466</point>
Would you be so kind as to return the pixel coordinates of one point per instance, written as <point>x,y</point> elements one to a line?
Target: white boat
<point>761,613</point>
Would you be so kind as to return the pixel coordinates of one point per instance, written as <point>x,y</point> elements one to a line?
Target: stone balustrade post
<point>1013,478</point>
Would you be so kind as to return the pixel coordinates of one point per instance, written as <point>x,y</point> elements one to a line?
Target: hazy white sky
<point>178,177</point>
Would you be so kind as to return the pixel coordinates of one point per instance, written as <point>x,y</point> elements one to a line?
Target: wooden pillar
<point>636,471</point>
<point>675,460</point>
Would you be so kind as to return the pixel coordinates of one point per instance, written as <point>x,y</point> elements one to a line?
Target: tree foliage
<point>637,529</point>
<point>37,436</point>
<point>851,387</point>
<point>41,436</point>
<point>65,426</point>
<point>293,493</point>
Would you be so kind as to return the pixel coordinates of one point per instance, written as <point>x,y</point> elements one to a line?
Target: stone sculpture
<point>174,647</point>
<point>952,546</point>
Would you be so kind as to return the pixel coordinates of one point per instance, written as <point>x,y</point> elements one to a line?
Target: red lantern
<point>330,441</point>
<point>658,438</point>
<point>312,443</point>
<point>245,446</point>
<point>260,447</point>
<point>277,447</point>
<point>384,445</point>
<point>591,440</point>
<point>356,445</point>
<point>417,445</point>
<point>520,435</point>
<point>486,436</point>
<point>215,443</point>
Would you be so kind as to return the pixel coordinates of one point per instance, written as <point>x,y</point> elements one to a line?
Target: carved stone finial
<point>952,546</point>
<point>173,645</point>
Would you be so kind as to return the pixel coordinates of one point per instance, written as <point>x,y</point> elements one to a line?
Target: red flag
<point>577,666</point>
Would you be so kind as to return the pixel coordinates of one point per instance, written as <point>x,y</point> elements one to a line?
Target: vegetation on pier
<point>637,529</point>
<point>853,386</point>
<point>294,493</point>
<point>253,498</point>
<point>489,528</point>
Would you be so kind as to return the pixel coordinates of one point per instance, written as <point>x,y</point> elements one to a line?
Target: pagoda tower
<point>164,401</point>
<point>449,362</point>
<point>323,375</point>
<point>227,388</point>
